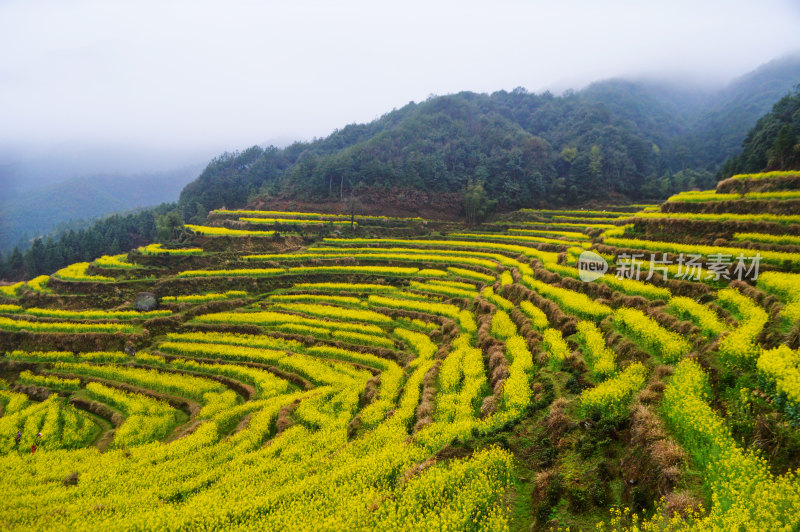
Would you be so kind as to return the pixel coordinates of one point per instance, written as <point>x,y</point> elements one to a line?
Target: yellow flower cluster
<point>766,238</point>
<point>420,343</point>
<point>782,366</point>
<point>502,326</point>
<point>345,287</point>
<point>745,494</point>
<point>277,319</point>
<point>245,340</point>
<point>316,298</point>
<point>519,238</point>
<point>361,270</point>
<point>95,314</point>
<point>293,214</point>
<point>585,213</point>
<point>435,287</point>
<point>704,317</point>
<point>38,283</point>
<point>777,258</point>
<point>346,355</point>
<point>376,255</point>
<point>544,256</point>
<point>667,345</point>
<point>364,339</point>
<point>42,356</point>
<point>224,231</point>
<point>712,195</point>
<point>10,290</point>
<point>333,312</point>
<point>456,254</point>
<point>266,384</point>
<point>500,301</point>
<point>555,345</point>
<point>146,419</point>
<point>610,398</point>
<point>63,327</point>
<point>601,359</point>
<point>114,261</point>
<point>572,302</point>
<point>517,390</point>
<point>239,272</point>
<point>294,221</point>
<point>77,272</point>
<point>471,274</point>
<point>631,287</point>
<point>169,383</point>
<point>768,175</point>
<point>787,287</point>
<point>723,217</point>
<point>61,426</point>
<point>739,345</point>
<point>432,272</point>
<point>570,235</point>
<point>202,298</point>
<point>461,378</point>
<point>158,249</point>
<point>538,318</point>
<point>13,401</point>
<point>48,381</point>
<point>439,309</point>
<point>306,366</point>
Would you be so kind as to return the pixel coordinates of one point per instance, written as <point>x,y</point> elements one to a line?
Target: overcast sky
<point>229,74</point>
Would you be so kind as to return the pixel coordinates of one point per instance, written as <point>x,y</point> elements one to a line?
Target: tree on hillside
<point>169,226</point>
<point>783,151</point>
<point>476,202</point>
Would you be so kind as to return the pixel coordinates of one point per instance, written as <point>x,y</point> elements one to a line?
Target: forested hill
<point>635,139</point>
<point>614,140</point>
<point>774,142</point>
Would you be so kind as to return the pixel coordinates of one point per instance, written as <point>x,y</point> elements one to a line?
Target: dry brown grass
<point>681,503</point>
<point>646,427</point>
<point>666,453</point>
<point>427,404</point>
<point>490,406</point>
<point>542,481</point>
<point>557,421</point>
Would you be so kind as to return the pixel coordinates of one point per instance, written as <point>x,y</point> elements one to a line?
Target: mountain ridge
<point>637,139</point>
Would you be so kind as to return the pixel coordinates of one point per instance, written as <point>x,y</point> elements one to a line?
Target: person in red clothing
<point>33,448</point>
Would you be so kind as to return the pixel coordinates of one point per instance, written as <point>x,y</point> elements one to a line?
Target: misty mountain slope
<point>32,213</point>
<point>773,143</point>
<point>528,149</point>
<point>637,139</point>
<point>730,113</point>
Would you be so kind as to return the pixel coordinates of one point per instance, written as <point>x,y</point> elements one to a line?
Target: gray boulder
<point>145,302</point>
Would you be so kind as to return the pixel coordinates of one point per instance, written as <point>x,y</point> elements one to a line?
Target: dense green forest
<point>615,140</point>
<point>774,142</point>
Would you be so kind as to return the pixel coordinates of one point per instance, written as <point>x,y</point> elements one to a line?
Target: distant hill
<point>728,115</point>
<point>615,139</point>
<point>773,143</point>
<point>27,214</point>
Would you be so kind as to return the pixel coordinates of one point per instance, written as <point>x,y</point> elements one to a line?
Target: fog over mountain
<point>215,75</point>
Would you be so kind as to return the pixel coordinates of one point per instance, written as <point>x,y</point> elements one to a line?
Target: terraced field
<point>313,371</point>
